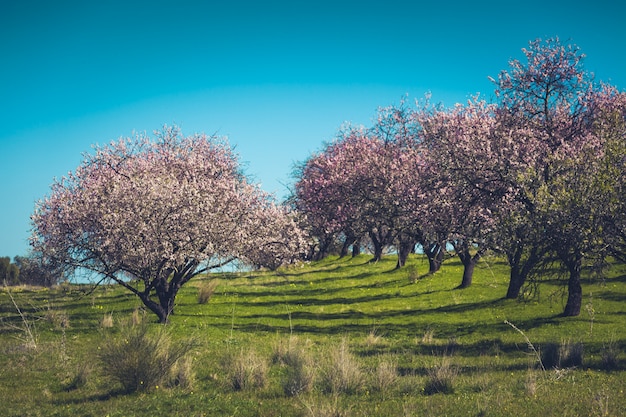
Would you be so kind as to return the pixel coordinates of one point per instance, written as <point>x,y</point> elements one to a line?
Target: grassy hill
<point>340,337</point>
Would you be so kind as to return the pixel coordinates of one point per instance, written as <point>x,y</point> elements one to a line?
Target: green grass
<point>420,328</point>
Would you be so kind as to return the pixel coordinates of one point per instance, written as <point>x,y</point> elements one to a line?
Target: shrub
<point>80,378</point>
<point>385,376</point>
<point>342,372</point>
<point>247,370</point>
<point>610,356</point>
<point>183,375</point>
<point>300,373</point>
<point>58,318</point>
<point>565,355</point>
<point>206,290</point>
<point>107,321</point>
<point>140,360</point>
<point>441,378</point>
<point>571,354</point>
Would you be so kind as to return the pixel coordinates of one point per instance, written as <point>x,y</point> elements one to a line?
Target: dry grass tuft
<point>206,290</point>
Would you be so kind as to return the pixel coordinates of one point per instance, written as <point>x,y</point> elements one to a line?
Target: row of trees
<point>538,176</point>
<point>27,270</point>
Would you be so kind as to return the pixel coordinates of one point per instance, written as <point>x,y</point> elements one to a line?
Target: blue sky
<point>278,78</point>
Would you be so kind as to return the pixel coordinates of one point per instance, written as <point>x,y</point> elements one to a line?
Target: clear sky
<point>277,77</point>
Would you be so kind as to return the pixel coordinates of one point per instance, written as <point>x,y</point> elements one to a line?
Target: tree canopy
<point>151,215</point>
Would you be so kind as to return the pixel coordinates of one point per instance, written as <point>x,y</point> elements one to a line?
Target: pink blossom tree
<point>461,193</point>
<point>364,185</point>
<point>151,215</point>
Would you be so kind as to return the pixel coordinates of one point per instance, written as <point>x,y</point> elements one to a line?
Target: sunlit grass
<point>378,314</point>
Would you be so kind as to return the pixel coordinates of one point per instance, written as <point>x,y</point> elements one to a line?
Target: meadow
<point>338,337</point>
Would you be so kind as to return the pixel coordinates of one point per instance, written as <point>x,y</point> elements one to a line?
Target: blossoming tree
<point>152,214</point>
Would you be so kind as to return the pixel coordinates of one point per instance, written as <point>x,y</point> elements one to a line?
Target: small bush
<point>206,290</point>
<point>58,318</point>
<point>610,356</point>
<point>413,274</point>
<point>342,372</point>
<point>441,378</point>
<point>571,354</point>
<point>247,370</point>
<point>550,356</point>
<point>139,360</point>
<point>183,374</point>
<point>565,355</point>
<point>385,377</point>
<point>79,379</point>
<point>300,369</point>
<point>107,321</point>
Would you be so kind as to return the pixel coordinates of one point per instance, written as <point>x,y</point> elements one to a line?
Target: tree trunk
<point>468,273</point>
<point>156,308</point>
<point>344,248</point>
<point>575,290</point>
<point>469,262</point>
<point>404,249</point>
<point>378,247</point>
<point>356,248</point>
<point>520,269</point>
<point>434,252</point>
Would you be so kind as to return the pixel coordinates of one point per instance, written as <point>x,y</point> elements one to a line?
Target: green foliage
<point>9,272</point>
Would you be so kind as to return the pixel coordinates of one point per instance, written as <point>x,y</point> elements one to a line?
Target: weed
<point>372,338</point>
<point>107,321</point>
<point>58,318</point>
<point>80,378</point>
<point>137,316</point>
<point>428,337</point>
<point>571,354</point>
<point>441,377</point>
<point>29,338</point>
<point>139,360</point>
<point>326,408</point>
<point>530,383</point>
<point>412,274</point>
<point>600,405</point>
<point>610,355</point>
<point>342,373</point>
<point>385,377</point>
<point>206,290</point>
<point>529,344</point>
<point>247,370</point>
<point>563,355</point>
<point>183,374</point>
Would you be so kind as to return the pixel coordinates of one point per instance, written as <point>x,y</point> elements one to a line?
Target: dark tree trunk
<point>344,248</point>
<point>434,251</point>
<point>468,274</point>
<point>356,248</point>
<point>520,269</point>
<point>404,249</point>
<point>469,262</point>
<point>575,290</point>
<point>378,247</point>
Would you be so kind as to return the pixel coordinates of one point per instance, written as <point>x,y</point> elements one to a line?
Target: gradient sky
<point>278,78</point>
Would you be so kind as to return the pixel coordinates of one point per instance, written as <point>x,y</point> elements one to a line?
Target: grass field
<point>340,337</point>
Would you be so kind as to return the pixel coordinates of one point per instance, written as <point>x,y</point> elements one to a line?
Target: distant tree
<point>151,215</point>
<point>35,270</point>
<point>364,185</point>
<point>458,181</point>
<point>9,272</point>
